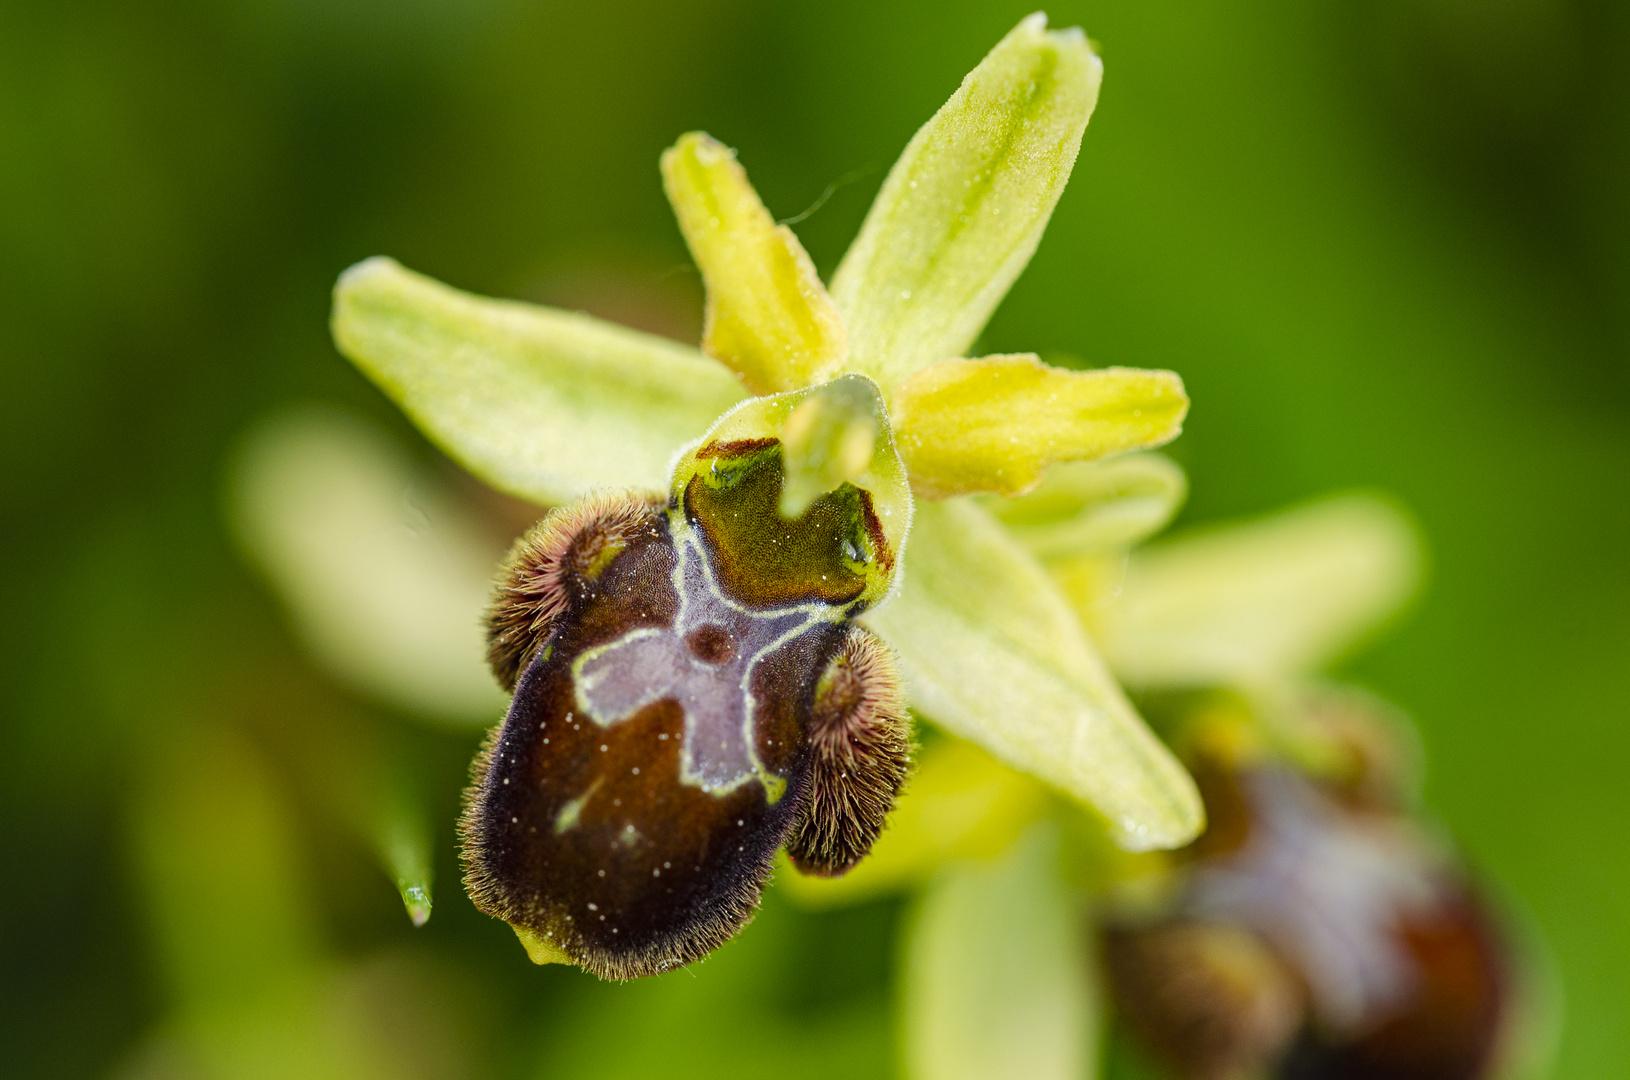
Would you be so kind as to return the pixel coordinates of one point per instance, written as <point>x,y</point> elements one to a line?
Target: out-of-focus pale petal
<point>384,578</point>
<point>960,803</point>
<point>991,651</point>
<point>539,403</point>
<point>769,318</point>
<point>963,209</point>
<point>997,423</point>
<point>1093,507</point>
<point>1248,602</point>
<point>996,980</point>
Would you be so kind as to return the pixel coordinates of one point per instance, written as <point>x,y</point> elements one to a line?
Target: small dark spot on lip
<point>711,644</point>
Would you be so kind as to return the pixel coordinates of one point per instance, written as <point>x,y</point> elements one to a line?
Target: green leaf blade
<point>542,404</point>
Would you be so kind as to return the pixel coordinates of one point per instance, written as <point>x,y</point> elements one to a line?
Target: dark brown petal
<point>860,751</point>
<point>593,826</point>
<point>572,545</point>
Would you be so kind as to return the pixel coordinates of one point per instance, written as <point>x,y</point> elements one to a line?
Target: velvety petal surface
<point>960,803</point>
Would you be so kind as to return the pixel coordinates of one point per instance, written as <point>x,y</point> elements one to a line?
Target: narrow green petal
<point>1248,602</point>
<point>361,769</point>
<point>384,577</point>
<point>960,803</point>
<point>539,403</point>
<point>769,318</point>
<point>964,208</point>
<point>997,423</point>
<point>992,652</point>
<point>996,974</point>
<point>1093,507</point>
<point>403,837</point>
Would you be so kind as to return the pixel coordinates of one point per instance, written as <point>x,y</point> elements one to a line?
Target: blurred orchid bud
<point>1316,936</point>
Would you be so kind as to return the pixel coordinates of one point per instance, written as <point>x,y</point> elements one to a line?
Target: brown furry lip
<point>690,697</point>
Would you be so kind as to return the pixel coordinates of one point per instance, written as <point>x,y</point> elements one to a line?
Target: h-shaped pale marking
<point>616,680</point>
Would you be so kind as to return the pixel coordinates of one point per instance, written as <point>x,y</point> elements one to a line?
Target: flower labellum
<point>690,696</point>
<point>1314,935</point>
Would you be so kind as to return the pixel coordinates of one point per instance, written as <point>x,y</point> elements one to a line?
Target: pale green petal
<point>960,803</point>
<point>1094,507</point>
<point>997,423</point>
<point>882,475</point>
<point>539,403</point>
<point>385,578</point>
<point>1245,603</point>
<point>996,974</point>
<point>769,318</point>
<point>963,209</point>
<point>991,651</point>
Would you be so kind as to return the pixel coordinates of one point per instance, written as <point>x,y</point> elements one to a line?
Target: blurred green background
<point>1386,242</point>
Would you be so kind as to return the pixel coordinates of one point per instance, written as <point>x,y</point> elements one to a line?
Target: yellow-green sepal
<point>965,206</point>
<point>768,317</point>
<point>880,474</point>
<point>991,651</point>
<point>996,423</point>
<point>545,405</point>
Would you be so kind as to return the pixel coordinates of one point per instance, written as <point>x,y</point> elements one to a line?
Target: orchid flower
<point>821,460</point>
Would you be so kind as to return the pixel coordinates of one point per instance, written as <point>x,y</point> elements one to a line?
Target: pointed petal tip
<point>1183,823</point>
<point>416,899</point>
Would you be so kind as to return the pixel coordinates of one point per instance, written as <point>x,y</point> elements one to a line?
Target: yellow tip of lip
<point>541,950</point>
